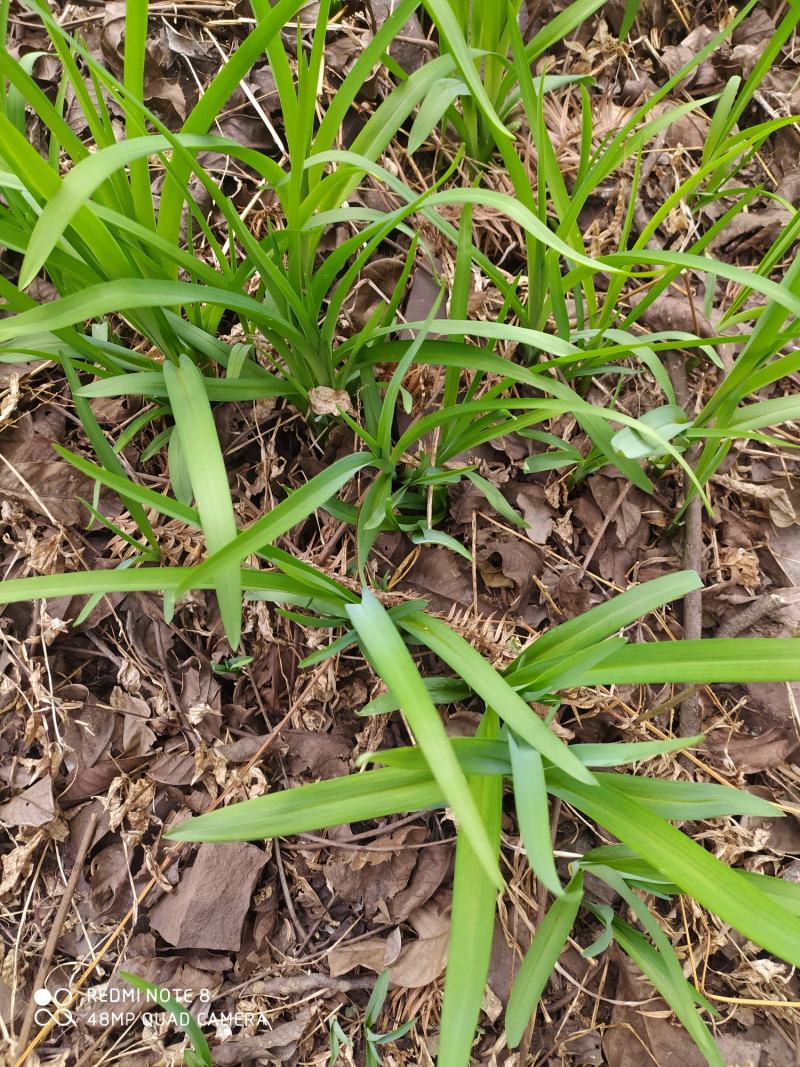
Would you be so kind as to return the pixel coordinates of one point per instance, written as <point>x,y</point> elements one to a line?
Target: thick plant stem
<point>692,602</point>
<point>51,944</point>
<point>692,553</point>
<point>763,607</point>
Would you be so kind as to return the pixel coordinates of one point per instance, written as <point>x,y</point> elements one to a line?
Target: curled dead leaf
<point>422,961</point>
<point>374,953</point>
<point>17,863</point>
<point>373,875</point>
<point>780,505</point>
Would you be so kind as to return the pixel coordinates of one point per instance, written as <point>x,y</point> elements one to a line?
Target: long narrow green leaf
<point>333,802</point>
<point>151,384</point>
<point>774,291</point>
<point>472,921</point>
<point>664,969</point>
<point>689,800</point>
<point>127,294</point>
<point>540,959</point>
<point>136,12</point>
<point>43,182</point>
<point>634,868</point>
<point>85,177</point>
<point>543,677</point>
<point>518,213</point>
<point>103,450</point>
<point>452,37</point>
<point>533,813</point>
<point>735,659</point>
<point>677,992</point>
<point>213,100</point>
<point>606,619</point>
<point>495,758</point>
<point>687,864</point>
<point>202,455</point>
<point>475,756</point>
<point>392,661</point>
<point>494,690</point>
<point>86,583</point>
<point>359,74</point>
<point>297,506</point>
<point>128,490</point>
<point>615,754</point>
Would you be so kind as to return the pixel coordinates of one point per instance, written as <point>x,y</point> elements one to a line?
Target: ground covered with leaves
<point>125,724</point>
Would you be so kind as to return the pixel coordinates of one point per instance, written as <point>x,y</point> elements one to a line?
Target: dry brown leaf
<point>536,512</point>
<point>779,836</point>
<point>756,29</point>
<point>173,768</point>
<point>46,486</point>
<point>669,312</point>
<point>422,961</point>
<point>159,58</point>
<point>409,55</point>
<point>570,596</point>
<point>750,754</point>
<point>494,577</point>
<point>519,562</point>
<point>92,781</point>
<point>374,953</point>
<point>209,906</point>
<point>784,544</point>
<point>110,880</point>
<point>433,866</point>
<point>444,578</point>
<point>371,878</point>
<point>761,1046</point>
<point>316,754</point>
<point>423,295</point>
<point>743,565</point>
<point>780,505</point>
<point>612,495</point>
<point>737,1050</point>
<point>276,1045</point>
<point>137,737</point>
<point>374,289</point>
<point>326,401</point>
<point>752,230</point>
<point>32,807</point>
<point>17,863</point>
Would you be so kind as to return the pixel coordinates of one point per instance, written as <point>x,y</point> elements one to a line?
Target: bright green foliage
<point>472,920</point>
<point>551,937</point>
<point>131,265</point>
<point>635,809</point>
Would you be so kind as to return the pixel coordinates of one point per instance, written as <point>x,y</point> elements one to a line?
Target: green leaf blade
<point>392,661</point>
<point>494,690</point>
<point>540,959</point>
<point>533,816</point>
<point>472,922</point>
<point>202,455</point>
<point>318,806</point>
<point>297,506</point>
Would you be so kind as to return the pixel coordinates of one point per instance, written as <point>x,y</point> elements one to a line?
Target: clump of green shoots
<point>155,279</point>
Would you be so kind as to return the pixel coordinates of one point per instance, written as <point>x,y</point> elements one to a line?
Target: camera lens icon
<point>53,1006</point>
